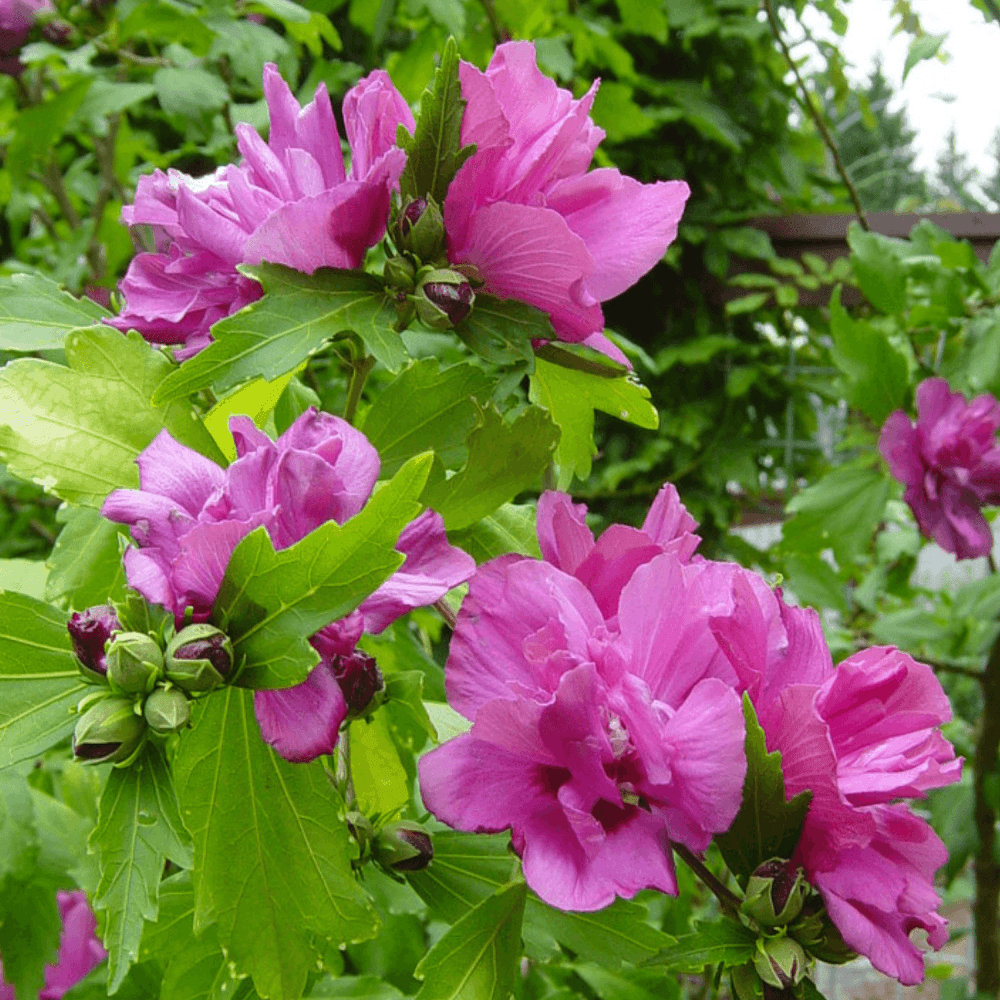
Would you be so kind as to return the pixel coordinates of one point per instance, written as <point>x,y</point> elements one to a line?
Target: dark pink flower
<point>190,514</point>
<point>527,213</point>
<point>860,737</point>
<point>596,747</point>
<point>290,201</point>
<point>950,463</point>
<point>16,19</point>
<point>80,951</point>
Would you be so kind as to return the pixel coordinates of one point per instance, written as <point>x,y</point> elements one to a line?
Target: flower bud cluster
<point>145,683</point>
<point>794,931</point>
<point>400,846</point>
<point>418,274</point>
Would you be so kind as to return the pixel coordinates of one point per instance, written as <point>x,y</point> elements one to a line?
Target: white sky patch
<point>971,76</point>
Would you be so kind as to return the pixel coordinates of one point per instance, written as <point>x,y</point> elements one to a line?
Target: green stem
<point>359,375</point>
<point>728,900</point>
<point>345,781</point>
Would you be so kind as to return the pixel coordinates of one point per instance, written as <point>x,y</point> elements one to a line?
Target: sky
<point>971,74</point>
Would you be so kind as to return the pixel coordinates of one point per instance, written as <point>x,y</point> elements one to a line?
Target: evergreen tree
<point>991,188</point>
<point>876,144</point>
<point>956,180</point>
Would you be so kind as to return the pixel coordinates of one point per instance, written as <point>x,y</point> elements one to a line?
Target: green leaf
<point>747,303</point>
<point>722,942</point>
<point>616,111</point>
<point>424,410</point>
<point>85,565</point>
<point>477,959</point>
<point>405,711</point>
<point>434,151</point>
<point>297,317</point>
<point>379,777</point>
<point>504,459</point>
<point>878,376</point>
<point>841,512</point>
<point>469,867</point>
<point>30,926</point>
<point>922,47</point>
<point>39,680</point>
<point>510,528</point>
<point>138,828</point>
<point>39,128</point>
<point>23,576</point>
<point>107,97</point>
<point>501,330</point>
<point>766,826</point>
<point>878,268</point>
<point>189,93</point>
<point>18,838</point>
<point>36,314</point>
<point>272,862</point>
<point>354,988</point>
<point>77,430</point>
<point>270,602</point>
<point>571,396</point>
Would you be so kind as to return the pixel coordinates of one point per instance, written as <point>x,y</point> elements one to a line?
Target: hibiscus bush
<point>330,685</point>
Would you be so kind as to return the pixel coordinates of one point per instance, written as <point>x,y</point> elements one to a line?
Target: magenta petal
<point>899,447</point>
<point>619,552</point>
<point>333,229</point>
<point>373,110</point>
<point>521,626</point>
<point>80,951</point>
<point>432,567</point>
<point>302,722</point>
<point>668,522</point>
<point>149,573</point>
<point>529,253</point>
<point>178,472</point>
<point>563,534</point>
<point>205,550</point>
<point>627,226</point>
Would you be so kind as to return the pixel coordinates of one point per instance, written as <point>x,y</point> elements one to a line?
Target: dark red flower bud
<point>455,301</point>
<point>404,847</point>
<point>411,215</point>
<point>360,681</point>
<point>199,658</point>
<point>90,630</point>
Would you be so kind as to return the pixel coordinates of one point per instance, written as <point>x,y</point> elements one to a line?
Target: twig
<point>345,780</point>
<point>133,58</point>
<point>807,105</point>
<point>500,34</point>
<point>948,668</point>
<point>444,610</point>
<point>53,180</point>
<point>728,900</point>
<point>105,152</point>
<point>46,220</point>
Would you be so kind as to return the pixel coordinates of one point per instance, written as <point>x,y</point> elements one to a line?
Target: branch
<point>444,610</point>
<point>53,180</point>
<point>105,152</point>
<point>948,668</point>
<point>728,900</point>
<point>807,105</point>
<point>500,34</point>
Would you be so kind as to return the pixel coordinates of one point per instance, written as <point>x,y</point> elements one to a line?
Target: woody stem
<point>728,900</point>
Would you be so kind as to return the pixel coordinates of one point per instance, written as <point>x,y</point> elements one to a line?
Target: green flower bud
<point>108,731</point>
<point>775,893</point>
<point>746,983</point>
<point>420,229</point>
<point>780,962</point>
<point>135,663</point>
<point>444,299</point>
<point>399,273</point>
<point>199,658</point>
<point>404,847</point>
<point>818,934</point>
<point>167,710</point>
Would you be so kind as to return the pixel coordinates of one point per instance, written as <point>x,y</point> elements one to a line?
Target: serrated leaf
<point>379,778</point>
<point>85,565</point>
<point>298,315</point>
<point>434,152</point>
<point>468,867</point>
<point>877,265</point>
<point>271,602</point>
<point>77,430</point>
<point>272,864</point>
<point>722,942</point>
<point>571,396</point>
<point>477,959</point>
<point>39,680</point>
<point>423,409</point>
<point>877,372</point>
<point>510,528</point>
<point>138,828</point>
<point>36,314</point>
<point>766,826</point>
<point>501,330</point>
<point>504,459</point>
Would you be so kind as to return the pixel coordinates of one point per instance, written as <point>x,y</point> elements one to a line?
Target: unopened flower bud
<point>421,229</point>
<point>89,631</point>
<point>780,962</point>
<point>404,847</point>
<point>57,32</point>
<point>818,934</point>
<point>167,710</point>
<point>108,731</point>
<point>135,662</point>
<point>199,658</point>
<point>399,273</point>
<point>775,893</point>
<point>746,982</point>
<point>444,299</point>
<point>360,682</point>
